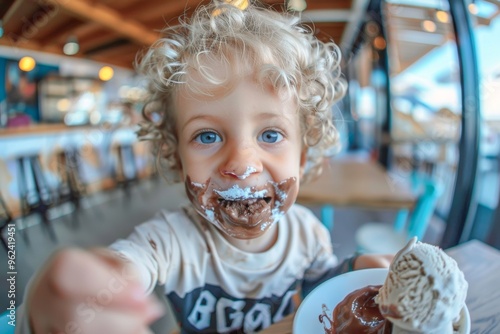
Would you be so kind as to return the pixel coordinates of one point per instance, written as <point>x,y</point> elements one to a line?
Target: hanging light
<point>71,47</point>
<point>473,8</point>
<point>429,25</point>
<point>297,5</point>
<point>442,16</point>
<point>106,73</point>
<point>27,63</point>
<point>241,4</point>
<point>63,105</point>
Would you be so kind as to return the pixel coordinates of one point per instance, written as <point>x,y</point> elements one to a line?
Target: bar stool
<point>34,193</point>
<point>125,172</point>
<point>5,220</point>
<point>71,188</point>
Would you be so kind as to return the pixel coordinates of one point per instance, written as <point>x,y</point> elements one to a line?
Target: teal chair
<point>5,328</point>
<point>387,238</point>
<point>327,216</point>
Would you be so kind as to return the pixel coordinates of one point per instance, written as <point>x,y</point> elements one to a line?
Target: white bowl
<point>333,291</point>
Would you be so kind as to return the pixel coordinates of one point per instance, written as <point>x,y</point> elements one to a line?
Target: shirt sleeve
<point>343,267</point>
<point>150,248</point>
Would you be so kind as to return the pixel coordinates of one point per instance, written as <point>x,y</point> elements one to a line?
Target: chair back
<point>424,208</point>
<point>379,237</point>
<point>5,318</point>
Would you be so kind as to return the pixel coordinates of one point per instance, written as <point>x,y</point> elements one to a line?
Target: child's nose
<point>241,163</point>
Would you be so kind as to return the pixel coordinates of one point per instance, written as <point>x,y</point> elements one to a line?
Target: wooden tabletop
<point>481,266</point>
<point>357,183</point>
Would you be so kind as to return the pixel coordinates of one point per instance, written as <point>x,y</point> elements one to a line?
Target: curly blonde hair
<point>276,47</point>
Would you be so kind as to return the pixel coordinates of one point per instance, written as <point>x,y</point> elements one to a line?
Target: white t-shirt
<point>215,287</point>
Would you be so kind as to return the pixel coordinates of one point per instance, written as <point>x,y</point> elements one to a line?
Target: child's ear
<point>303,160</point>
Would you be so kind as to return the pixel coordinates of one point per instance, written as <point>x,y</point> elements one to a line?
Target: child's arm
<point>372,261</point>
<point>89,292</point>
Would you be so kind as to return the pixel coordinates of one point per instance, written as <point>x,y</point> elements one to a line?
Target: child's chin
<point>244,232</point>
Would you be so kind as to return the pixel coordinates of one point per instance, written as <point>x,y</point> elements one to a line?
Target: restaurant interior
<point>419,126</point>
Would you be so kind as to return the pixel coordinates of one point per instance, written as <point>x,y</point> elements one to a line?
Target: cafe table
<point>357,183</point>
<point>481,266</point>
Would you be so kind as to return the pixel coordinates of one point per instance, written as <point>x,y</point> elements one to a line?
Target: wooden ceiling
<point>410,41</point>
<point>113,31</point>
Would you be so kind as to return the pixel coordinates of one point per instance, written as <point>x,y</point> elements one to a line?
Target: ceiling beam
<point>125,61</point>
<point>14,6</point>
<point>99,38</point>
<point>58,32</point>
<point>110,19</point>
<point>18,50</point>
<point>18,46</point>
<point>163,8</point>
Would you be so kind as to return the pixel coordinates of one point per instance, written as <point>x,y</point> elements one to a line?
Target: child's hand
<point>373,261</point>
<point>89,292</point>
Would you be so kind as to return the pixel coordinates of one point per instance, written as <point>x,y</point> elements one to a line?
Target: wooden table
<point>357,183</point>
<point>481,266</point>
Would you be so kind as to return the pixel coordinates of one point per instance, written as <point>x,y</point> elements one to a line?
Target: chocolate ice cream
<point>357,313</point>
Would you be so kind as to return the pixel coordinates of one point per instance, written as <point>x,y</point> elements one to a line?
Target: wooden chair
<point>71,188</point>
<point>5,328</point>
<point>125,172</point>
<point>36,197</point>
<point>387,238</point>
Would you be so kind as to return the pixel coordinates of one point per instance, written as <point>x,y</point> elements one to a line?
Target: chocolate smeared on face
<point>243,213</point>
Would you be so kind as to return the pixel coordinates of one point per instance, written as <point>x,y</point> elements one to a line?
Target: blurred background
<point>419,125</point>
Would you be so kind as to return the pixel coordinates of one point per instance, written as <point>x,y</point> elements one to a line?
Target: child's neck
<point>257,245</point>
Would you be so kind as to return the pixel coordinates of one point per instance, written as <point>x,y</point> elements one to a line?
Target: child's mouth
<point>246,212</point>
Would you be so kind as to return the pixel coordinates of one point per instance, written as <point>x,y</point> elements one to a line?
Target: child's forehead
<point>217,67</point>
<point>228,60</point>
<point>199,94</point>
<point>209,76</point>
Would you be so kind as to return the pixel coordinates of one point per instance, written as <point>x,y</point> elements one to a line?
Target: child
<point>241,112</point>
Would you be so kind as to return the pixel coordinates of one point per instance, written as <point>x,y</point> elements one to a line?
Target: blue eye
<point>208,137</point>
<point>271,136</point>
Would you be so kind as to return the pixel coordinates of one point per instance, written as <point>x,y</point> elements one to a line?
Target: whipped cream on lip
<point>242,212</point>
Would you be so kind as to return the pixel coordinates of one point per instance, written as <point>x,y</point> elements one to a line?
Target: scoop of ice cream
<point>424,291</point>
<point>357,313</point>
